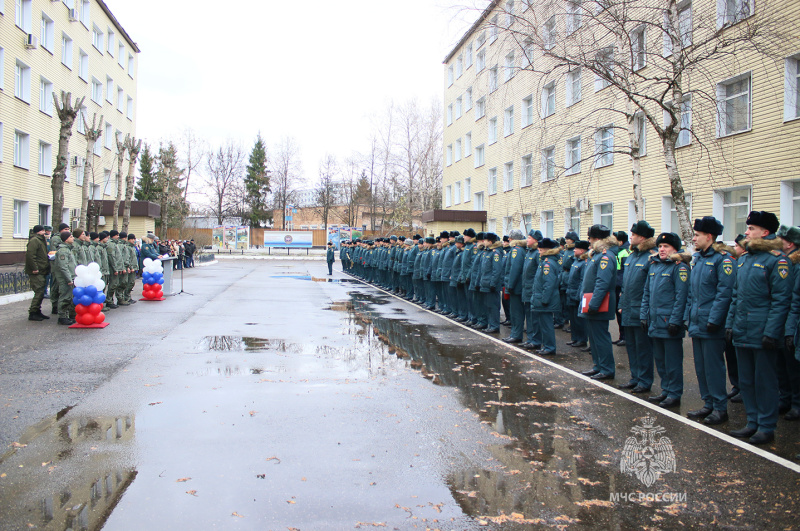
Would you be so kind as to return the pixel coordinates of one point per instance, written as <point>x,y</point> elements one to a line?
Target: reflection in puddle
<point>317,279</point>
<point>76,458</point>
<point>244,344</point>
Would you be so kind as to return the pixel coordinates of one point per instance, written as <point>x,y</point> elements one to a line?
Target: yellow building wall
<point>17,183</point>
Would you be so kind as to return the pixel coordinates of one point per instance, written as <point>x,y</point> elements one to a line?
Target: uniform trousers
<point>758,385</point>
<point>517,310</point>
<point>38,286</point>
<point>709,364</point>
<point>577,326</point>
<point>534,333</point>
<point>668,356</point>
<point>788,379</point>
<point>640,356</point>
<point>600,341</point>
<point>492,302</point>
<point>547,328</point>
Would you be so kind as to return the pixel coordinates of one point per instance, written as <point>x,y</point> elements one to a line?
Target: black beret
<point>131,236</point>
<point>470,232</point>
<point>93,235</point>
<point>582,244</point>
<point>763,219</point>
<point>643,229</point>
<point>621,236</point>
<point>37,228</point>
<point>103,235</point>
<point>708,224</point>
<point>599,232</point>
<point>123,235</point>
<point>113,232</point>
<point>63,226</point>
<point>548,243</point>
<point>669,238</point>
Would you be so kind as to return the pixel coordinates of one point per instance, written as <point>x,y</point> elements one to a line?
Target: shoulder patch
<point>497,258</point>
<point>514,253</point>
<point>783,268</point>
<point>683,274</point>
<point>776,252</point>
<point>727,266</point>
<point>604,262</point>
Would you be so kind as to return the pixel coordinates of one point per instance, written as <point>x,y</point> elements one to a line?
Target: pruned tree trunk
<point>121,147</point>
<point>66,114</point>
<point>134,147</point>
<point>92,135</point>
<point>636,162</point>
<point>678,194</point>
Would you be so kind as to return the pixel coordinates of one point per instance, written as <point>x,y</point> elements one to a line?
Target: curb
<point>16,297</point>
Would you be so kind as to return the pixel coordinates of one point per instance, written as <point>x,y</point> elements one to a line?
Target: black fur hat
<point>708,224</point>
<point>547,243</point>
<point>763,219</point>
<point>599,232</point>
<point>470,232</point>
<point>582,244</point>
<point>444,234</point>
<point>430,239</point>
<point>669,238</point>
<point>643,229</point>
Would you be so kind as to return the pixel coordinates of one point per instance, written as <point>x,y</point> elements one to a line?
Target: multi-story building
<point>46,47</point>
<point>538,141</point>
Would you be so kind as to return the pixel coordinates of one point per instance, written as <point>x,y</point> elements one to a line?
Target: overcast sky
<point>314,70</point>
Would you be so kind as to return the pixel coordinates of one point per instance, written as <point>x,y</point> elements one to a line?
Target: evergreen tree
<point>146,186</point>
<point>256,183</point>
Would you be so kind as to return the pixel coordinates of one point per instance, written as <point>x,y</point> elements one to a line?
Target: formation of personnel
<point>739,305</point>
<point>113,251</point>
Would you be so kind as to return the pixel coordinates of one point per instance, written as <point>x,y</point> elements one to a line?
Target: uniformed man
<point>788,365</point>
<point>491,281</point>
<point>567,257</point>
<point>446,267</point>
<point>456,289</point>
<point>425,264</point>
<point>77,247</point>
<point>578,334</point>
<point>132,262</point>
<point>504,298</point>
<point>37,267</point>
<point>117,269</point>
<point>545,301</point>
<point>756,322</point>
<point>55,241</point>
<point>479,306</point>
<point>416,276</point>
<point>464,278</point>
<point>712,282</point>
<point>411,258</point>
<point>638,344</point>
<point>436,272</point>
<point>599,291</point>
<point>64,269</point>
<point>624,251</point>
<point>534,341</point>
<point>515,262</point>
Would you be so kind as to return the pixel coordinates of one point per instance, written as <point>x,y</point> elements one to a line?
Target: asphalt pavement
<point>272,396</point>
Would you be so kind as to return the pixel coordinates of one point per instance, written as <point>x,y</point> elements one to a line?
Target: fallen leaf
<point>290,501</point>
<point>18,445</point>
<point>273,458</point>
<point>253,413</point>
<point>182,480</point>
<point>3,475</point>
<point>234,513</point>
<point>192,492</point>
<point>153,403</point>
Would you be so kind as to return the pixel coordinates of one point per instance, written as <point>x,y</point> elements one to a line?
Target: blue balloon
<point>160,280</point>
<point>100,298</point>
<point>90,291</point>
<point>146,278</point>
<point>77,292</point>
<point>86,300</point>
<point>76,301</point>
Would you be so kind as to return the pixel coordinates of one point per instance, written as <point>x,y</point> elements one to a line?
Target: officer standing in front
<point>788,365</point>
<point>516,262</point>
<point>64,269</point>
<point>37,267</point>
<point>545,301</point>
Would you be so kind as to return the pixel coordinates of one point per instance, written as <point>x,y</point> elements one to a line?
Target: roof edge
<point>116,23</point>
<point>472,29</point>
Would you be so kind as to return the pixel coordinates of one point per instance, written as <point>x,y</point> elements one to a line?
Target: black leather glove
<point>712,328</point>
<point>769,343</point>
<point>729,335</point>
<point>643,324</point>
<point>592,312</point>
<point>788,341</point>
<point>674,329</point>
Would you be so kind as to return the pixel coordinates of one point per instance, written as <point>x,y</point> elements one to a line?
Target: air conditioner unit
<point>582,204</point>
<point>101,220</point>
<point>74,214</point>
<point>73,15</point>
<point>31,41</point>
<point>76,160</point>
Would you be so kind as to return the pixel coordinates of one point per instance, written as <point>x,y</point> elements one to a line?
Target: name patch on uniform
<point>783,269</point>
<point>727,267</point>
<point>683,275</point>
<point>759,265</point>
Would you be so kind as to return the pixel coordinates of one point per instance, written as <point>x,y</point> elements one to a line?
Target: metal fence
<point>205,257</point>
<point>16,282</point>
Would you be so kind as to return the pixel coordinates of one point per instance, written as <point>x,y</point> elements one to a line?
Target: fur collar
<point>763,245</point>
<point>679,257</point>
<point>605,244</point>
<point>569,246</point>
<point>794,256</point>
<point>645,246</point>
<point>534,246</point>
<point>495,245</point>
<point>446,244</point>
<point>519,243</point>
<point>584,256</point>
<point>722,248</point>
<point>480,247</point>
<point>549,252</point>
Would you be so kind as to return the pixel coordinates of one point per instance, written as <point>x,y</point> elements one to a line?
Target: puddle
<point>245,344</point>
<point>318,279</point>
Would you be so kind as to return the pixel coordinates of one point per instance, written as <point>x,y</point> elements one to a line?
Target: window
<point>572,220</point>
<point>638,49</point>
<point>79,119</point>
<point>21,149</point>
<point>547,223</point>
<point>97,91</point>
<point>65,215</point>
<point>632,218</point>
<point>604,146</point>
<point>491,225</point>
<point>493,79</point>
<point>467,145</point>
<point>548,164</point>
<point>481,39</point>
<point>508,121</point>
<point>572,156</point>
<point>458,107</point>
<point>508,176</point>
<point>23,15</point>
<point>121,55</point>
<point>509,67</point>
<point>605,60</point>
<point>45,96</point>
<point>111,43</point>
<point>509,12</point>
<point>790,202</point>
<point>109,90</point>
<point>669,213</point>
<point>450,114</point>
<point>130,64</point>
<point>573,15</point>
<point>2,67</point>
<point>526,176</point>
<point>493,30</point>
<point>22,81</point>
<point>527,53</point>
<point>44,214</point>
<point>527,111</point>
<point>108,183</point>
<point>492,181</point>
<point>450,75</point>
<point>107,134</point>
<point>467,189</point>
<point>685,133</point>
<point>83,65</point>
<point>449,155</point>
<point>478,197</point>
<point>640,125</point>
<point>479,154</point>
<point>120,99</point>
<point>20,219</point>
<point>98,150</point>
<point>508,224</point>
<point>457,150</point>
<point>733,100</point>
<point>549,99</point>
<point>457,193</point>
<point>45,159</point>
<point>468,99</point>
<point>573,88</point>
<point>468,56</point>
<point>79,172</point>
<point>66,51</point>
<point>549,33</point>
<point>47,33</point>
<point>85,12</point>
<point>459,66</point>
<point>480,62</point>
<point>735,207</point>
<point>527,222</point>
<point>604,214</point>
<point>493,130</point>
<point>129,112</point>
<point>791,97</point>
<point>97,38</point>
<point>683,33</point>
<point>732,11</point>
<point>448,195</point>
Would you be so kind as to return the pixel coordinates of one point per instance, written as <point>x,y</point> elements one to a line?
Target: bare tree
<point>194,150</point>
<point>349,215</point>
<point>225,169</point>
<point>134,147</point>
<point>326,193</point>
<point>286,174</point>
<point>168,180</point>
<point>66,114</point>
<point>92,134</point>
<point>121,149</point>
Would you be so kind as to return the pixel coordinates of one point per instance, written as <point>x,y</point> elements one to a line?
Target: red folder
<point>587,297</point>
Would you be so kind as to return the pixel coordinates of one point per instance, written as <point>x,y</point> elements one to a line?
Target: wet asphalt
<point>272,396</point>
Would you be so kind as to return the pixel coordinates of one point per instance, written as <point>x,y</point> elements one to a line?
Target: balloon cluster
<point>152,278</point>
<point>87,295</point>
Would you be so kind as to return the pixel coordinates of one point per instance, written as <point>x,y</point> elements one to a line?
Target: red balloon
<point>99,318</point>
<point>157,290</point>
<point>86,319</point>
<point>81,309</point>
<point>95,308</point>
<point>147,294</point>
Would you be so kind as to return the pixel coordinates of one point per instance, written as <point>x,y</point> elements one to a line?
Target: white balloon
<point>80,282</point>
<point>100,285</point>
<point>94,267</point>
<point>81,270</point>
<point>147,261</point>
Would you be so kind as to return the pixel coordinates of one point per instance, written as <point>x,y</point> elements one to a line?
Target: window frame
<point>548,167</point>
<point>722,131</point>
<point>569,155</point>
